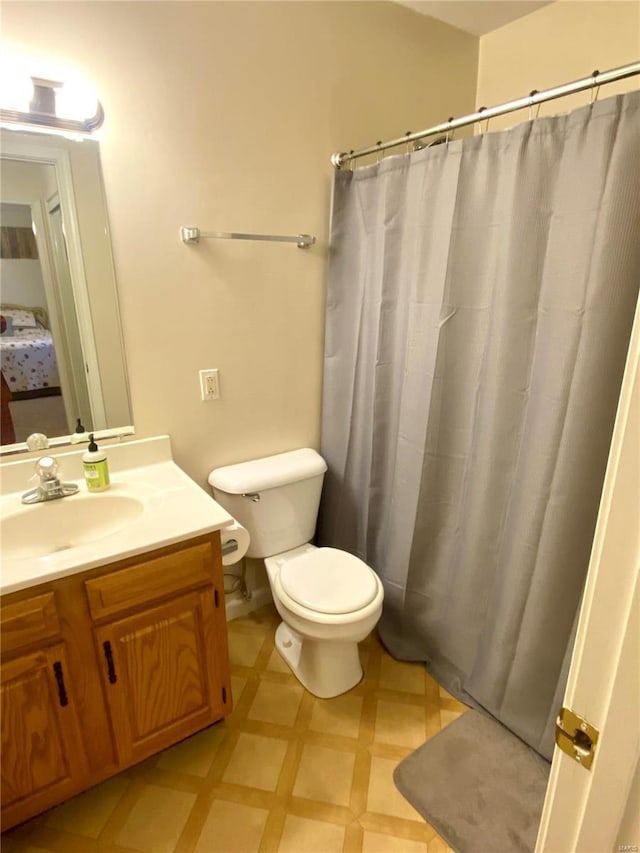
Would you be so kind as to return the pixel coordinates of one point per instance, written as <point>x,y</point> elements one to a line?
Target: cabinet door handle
<point>62,693</point>
<point>111,670</point>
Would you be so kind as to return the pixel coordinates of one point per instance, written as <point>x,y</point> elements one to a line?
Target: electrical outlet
<point>209,385</point>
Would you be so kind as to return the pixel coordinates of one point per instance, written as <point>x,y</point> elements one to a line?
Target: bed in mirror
<point>61,344</point>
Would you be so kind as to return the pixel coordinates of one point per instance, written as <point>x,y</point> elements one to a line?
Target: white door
<point>597,810</point>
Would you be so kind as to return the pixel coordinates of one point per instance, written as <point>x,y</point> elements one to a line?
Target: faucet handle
<point>47,468</point>
<point>37,441</point>
<point>50,486</point>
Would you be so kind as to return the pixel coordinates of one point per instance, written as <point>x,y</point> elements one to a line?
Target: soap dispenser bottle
<point>96,468</point>
<point>79,434</point>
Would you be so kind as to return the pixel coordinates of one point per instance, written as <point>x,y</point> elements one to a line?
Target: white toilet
<point>328,599</point>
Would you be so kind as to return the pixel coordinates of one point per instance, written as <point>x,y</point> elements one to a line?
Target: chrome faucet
<point>50,487</point>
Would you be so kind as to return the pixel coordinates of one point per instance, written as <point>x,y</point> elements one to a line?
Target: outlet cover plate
<point>209,384</point>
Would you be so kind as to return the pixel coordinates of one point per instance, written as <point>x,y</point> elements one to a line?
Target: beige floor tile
<point>376,842</point>
<point>238,683</point>
<point>432,687</point>
<point>276,703</point>
<point>301,835</point>
<point>383,796</point>
<point>444,694</point>
<point>447,717</point>
<point>399,675</point>
<point>329,783</point>
<point>265,619</point>
<point>231,828</point>
<point>87,813</point>
<point>399,724</point>
<point>325,774</point>
<point>194,755</point>
<point>156,820</point>
<point>256,762</point>
<point>276,663</point>
<point>16,840</point>
<point>339,716</point>
<point>244,648</point>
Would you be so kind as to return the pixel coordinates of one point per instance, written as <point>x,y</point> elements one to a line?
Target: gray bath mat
<point>478,785</point>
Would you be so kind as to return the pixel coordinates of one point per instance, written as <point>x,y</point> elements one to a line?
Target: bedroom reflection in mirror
<point>43,378</point>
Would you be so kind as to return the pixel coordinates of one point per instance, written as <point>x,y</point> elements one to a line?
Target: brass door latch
<point>576,736</point>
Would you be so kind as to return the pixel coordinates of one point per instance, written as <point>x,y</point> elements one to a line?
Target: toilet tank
<point>276,498</point>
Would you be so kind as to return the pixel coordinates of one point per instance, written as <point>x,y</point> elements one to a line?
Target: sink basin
<point>151,504</point>
<point>52,526</point>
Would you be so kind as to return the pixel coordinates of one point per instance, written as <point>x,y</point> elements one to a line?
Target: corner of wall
<point>556,44</point>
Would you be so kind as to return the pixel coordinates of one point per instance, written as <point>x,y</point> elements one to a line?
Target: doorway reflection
<point>38,319</point>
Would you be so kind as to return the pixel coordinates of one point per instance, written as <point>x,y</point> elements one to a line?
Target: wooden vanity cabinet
<point>42,761</point>
<point>163,655</point>
<point>105,668</point>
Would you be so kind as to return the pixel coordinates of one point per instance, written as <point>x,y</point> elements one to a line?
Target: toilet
<point>329,600</point>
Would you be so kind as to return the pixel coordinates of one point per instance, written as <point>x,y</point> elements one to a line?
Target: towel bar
<point>191,234</point>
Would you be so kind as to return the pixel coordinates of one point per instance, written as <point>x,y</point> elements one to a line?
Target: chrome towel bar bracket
<point>192,234</point>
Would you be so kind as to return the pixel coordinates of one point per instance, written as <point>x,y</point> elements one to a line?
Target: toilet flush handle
<point>253,496</point>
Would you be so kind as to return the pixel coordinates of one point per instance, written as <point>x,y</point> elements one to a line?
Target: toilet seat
<point>328,581</point>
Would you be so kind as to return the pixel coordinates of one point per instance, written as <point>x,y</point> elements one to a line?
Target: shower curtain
<point>480,300</point>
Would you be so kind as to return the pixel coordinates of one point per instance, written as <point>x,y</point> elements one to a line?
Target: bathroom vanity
<point>107,661</point>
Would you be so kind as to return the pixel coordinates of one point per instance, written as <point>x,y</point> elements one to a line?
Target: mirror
<point>62,350</point>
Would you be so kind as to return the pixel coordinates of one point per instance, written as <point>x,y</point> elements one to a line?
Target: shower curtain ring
<point>408,134</point>
<point>450,132</point>
<point>595,89</point>
<point>531,105</point>
<point>351,161</point>
<point>486,127</point>
<point>380,150</point>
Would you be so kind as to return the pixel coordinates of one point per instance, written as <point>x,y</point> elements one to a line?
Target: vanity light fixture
<point>50,105</point>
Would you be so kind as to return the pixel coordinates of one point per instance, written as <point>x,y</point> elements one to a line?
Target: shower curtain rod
<point>595,79</point>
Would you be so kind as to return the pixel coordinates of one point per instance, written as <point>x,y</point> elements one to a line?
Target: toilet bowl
<point>328,599</point>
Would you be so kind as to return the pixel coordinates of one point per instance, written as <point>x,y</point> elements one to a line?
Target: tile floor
<point>284,772</point>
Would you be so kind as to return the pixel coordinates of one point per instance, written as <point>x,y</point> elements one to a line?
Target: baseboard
<point>237,606</point>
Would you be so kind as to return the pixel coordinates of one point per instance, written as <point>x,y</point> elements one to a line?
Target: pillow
<point>6,326</point>
<point>20,319</point>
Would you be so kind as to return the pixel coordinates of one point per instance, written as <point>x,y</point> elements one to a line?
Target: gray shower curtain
<point>480,301</point>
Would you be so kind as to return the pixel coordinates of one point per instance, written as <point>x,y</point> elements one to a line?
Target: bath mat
<point>478,785</point>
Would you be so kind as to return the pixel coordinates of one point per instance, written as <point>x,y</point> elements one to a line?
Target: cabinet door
<point>162,679</point>
<point>43,759</point>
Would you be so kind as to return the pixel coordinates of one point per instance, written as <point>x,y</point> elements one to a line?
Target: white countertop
<point>174,509</point>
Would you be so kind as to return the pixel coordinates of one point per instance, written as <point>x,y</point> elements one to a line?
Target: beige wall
<point>224,115</point>
<point>21,281</point>
<point>556,44</point>
<point>20,278</point>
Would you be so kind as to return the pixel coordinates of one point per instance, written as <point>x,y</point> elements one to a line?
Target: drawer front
<point>150,580</point>
<point>29,621</point>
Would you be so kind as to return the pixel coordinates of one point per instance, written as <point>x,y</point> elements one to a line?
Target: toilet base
<point>325,668</point>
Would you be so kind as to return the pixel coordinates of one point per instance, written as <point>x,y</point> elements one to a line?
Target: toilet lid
<point>329,581</point>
